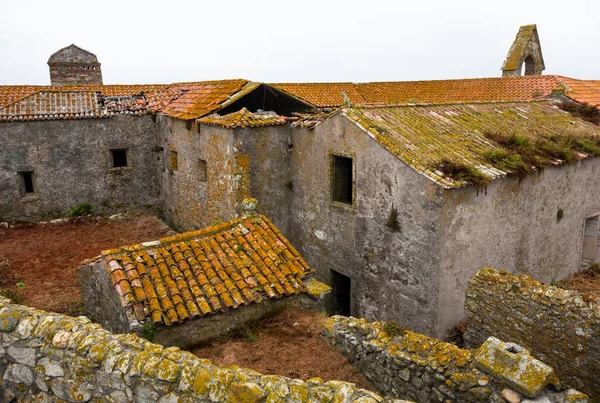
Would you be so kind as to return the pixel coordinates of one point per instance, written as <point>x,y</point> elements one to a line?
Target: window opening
<point>341,179</point>
<point>202,174</point>
<point>27,182</point>
<point>119,158</point>
<point>173,163</point>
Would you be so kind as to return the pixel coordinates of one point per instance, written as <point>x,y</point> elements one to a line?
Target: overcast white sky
<point>275,41</point>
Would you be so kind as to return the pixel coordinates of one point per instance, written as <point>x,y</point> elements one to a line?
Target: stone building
<point>396,192</point>
<point>525,54</point>
<point>199,284</point>
<point>73,65</point>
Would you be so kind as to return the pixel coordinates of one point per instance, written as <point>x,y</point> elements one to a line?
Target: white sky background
<point>295,41</point>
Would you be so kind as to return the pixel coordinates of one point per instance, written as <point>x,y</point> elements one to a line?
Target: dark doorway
<point>341,293</point>
<point>27,179</point>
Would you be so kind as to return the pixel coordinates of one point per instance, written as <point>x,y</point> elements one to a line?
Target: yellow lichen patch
<point>224,266</point>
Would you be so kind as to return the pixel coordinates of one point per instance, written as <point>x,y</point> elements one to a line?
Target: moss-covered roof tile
<point>203,272</point>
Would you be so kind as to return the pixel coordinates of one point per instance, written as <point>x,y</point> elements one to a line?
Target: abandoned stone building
<point>197,281</point>
<point>396,193</point>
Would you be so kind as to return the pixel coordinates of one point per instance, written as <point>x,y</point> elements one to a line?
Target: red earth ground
<point>45,257</point>
<point>286,344</point>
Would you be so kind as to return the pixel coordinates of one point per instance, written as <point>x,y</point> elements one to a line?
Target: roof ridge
<point>184,236</point>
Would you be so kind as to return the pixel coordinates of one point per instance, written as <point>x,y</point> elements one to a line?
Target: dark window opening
<point>119,158</point>
<point>341,293</point>
<point>27,179</point>
<point>529,65</point>
<point>341,179</point>
<point>202,174</point>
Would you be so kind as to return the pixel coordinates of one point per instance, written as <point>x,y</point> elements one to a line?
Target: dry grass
<point>586,282</point>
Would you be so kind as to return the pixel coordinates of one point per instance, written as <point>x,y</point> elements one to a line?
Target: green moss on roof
<point>496,139</point>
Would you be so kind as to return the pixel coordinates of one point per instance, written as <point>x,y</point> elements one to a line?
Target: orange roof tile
<point>499,89</point>
<point>244,261</point>
<point>202,98</point>
<point>244,118</point>
<point>424,136</point>
<point>584,91</point>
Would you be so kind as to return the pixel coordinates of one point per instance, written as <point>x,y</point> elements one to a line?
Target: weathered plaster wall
<point>560,327</point>
<point>417,367</point>
<point>190,203</point>
<point>514,226</point>
<point>394,274</point>
<point>101,303</point>
<point>44,356</point>
<point>71,161</point>
<point>269,150</point>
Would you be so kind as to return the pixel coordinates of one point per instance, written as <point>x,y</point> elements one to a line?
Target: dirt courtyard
<point>44,258</point>
<point>286,344</point>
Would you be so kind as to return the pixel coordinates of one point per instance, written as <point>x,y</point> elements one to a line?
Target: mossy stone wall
<point>47,357</point>
<point>560,327</point>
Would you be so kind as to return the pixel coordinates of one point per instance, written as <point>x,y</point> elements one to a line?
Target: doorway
<point>341,293</point>
<point>589,249</point>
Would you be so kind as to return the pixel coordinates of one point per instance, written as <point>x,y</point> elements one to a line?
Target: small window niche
<point>173,163</point>
<point>27,182</point>
<point>202,174</point>
<point>342,184</point>
<point>119,157</point>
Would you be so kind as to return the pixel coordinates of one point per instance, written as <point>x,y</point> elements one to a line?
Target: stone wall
<point>513,224</point>
<point>71,163</point>
<point>189,202</point>
<point>394,275</point>
<point>45,356</point>
<point>560,327</point>
<point>417,367</point>
<point>103,305</point>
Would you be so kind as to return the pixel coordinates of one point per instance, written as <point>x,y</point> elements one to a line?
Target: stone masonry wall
<point>71,163</point>
<point>560,327</point>
<point>44,356</point>
<point>414,366</point>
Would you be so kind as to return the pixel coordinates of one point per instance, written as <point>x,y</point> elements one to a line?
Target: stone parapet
<point>46,356</point>
<point>417,367</point>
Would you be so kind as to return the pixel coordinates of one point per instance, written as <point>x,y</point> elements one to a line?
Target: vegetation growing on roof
<point>583,110</point>
<point>461,172</point>
<point>520,155</point>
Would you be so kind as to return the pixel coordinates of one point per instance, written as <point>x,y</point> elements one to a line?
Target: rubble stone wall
<point>417,367</point>
<point>560,327</point>
<point>44,356</point>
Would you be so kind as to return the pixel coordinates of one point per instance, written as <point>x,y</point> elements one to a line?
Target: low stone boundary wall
<point>560,327</point>
<point>417,367</point>
<point>44,356</point>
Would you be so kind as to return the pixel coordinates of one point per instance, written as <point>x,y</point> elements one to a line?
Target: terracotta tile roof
<point>423,136</point>
<point>322,95</point>
<point>499,89</point>
<point>51,105</point>
<point>244,261</point>
<point>584,91</point>
<point>202,98</point>
<point>244,118</point>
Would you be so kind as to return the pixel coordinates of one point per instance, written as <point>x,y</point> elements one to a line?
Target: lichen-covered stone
<point>515,366</point>
<point>18,373</point>
<point>8,321</point>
